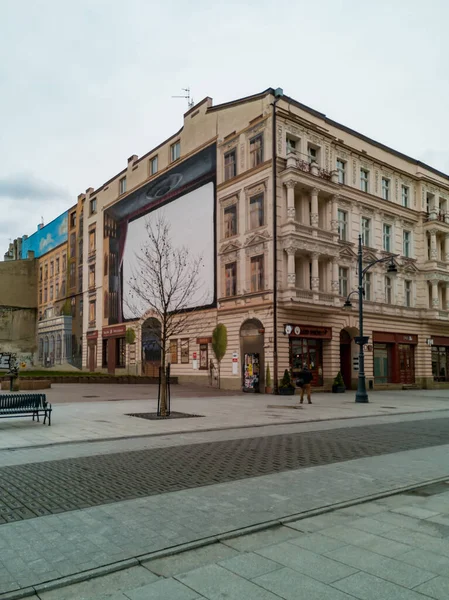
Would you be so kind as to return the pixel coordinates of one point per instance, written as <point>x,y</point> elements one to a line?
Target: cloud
<point>46,242</point>
<point>28,187</point>
<point>62,230</point>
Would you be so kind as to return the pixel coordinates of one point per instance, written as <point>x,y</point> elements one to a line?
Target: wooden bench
<point>15,405</point>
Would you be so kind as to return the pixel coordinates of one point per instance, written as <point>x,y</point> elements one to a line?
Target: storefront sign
<point>235,363</point>
<point>439,340</point>
<point>204,340</point>
<point>92,335</point>
<point>394,338</point>
<point>114,331</point>
<point>308,331</point>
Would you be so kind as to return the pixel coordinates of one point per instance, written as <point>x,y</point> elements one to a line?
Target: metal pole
<point>275,279</point>
<point>361,395</point>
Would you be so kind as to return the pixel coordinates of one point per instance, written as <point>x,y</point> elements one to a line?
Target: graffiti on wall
<point>46,238</point>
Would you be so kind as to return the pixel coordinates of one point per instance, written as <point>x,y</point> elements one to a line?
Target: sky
<point>86,84</point>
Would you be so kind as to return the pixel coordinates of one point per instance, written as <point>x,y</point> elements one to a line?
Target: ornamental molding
<point>257,238</point>
<point>321,248</point>
<point>230,247</point>
<point>256,188</point>
<point>258,128</point>
<point>230,257</point>
<point>229,200</point>
<point>256,249</point>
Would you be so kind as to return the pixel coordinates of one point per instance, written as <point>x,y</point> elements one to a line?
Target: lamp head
<point>392,268</point>
<point>347,305</point>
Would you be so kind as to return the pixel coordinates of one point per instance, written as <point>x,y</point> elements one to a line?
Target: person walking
<point>305,377</point>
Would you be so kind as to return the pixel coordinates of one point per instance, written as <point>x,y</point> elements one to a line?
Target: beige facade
<point>332,185</point>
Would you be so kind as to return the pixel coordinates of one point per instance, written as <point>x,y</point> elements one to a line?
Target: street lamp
<point>361,394</point>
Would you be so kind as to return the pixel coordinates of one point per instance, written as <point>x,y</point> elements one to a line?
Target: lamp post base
<point>361,395</point>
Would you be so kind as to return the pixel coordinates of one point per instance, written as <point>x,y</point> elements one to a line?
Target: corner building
<point>224,171</point>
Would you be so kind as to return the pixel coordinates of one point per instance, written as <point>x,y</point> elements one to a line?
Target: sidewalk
<point>51,547</point>
<point>102,410</point>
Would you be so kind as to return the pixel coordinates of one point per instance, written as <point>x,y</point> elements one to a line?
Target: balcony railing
<point>308,231</point>
<point>307,164</point>
<point>438,215</point>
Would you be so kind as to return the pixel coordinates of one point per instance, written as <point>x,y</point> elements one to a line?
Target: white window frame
<point>122,185</point>
<point>408,304</point>
<point>341,170</point>
<point>389,300</point>
<point>405,195</point>
<point>364,181</point>
<point>386,189</point>
<point>409,243</point>
<point>387,236</point>
<point>344,229</point>
<point>363,229</point>
<point>154,161</point>
<point>368,286</point>
<point>289,149</point>
<point>312,148</point>
<point>343,281</point>
<point>175,151</point>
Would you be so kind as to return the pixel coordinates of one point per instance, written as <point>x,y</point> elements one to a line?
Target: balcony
<point>309,231</point>
<point>306,296</point>
<point>305,164</point>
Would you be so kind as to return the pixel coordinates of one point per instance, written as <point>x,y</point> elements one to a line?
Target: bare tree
<point>165,284</point>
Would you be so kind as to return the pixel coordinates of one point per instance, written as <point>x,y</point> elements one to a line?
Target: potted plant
<point>338,387</point>
<point>286,387</point>
<point>268,382</point>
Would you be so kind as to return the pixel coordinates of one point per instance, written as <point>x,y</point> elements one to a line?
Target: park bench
<point>15,405</point>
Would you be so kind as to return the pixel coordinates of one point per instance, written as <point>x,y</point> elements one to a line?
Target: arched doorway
<point>151,350</point>
<point>348,350</point>
<point>253,357</point>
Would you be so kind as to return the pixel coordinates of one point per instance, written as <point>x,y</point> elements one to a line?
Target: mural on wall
<point>48,237</point>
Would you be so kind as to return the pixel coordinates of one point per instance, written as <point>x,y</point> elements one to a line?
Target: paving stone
<point>367,587</point>
<point>415,511</point>
<point>430,561</point>
<point>312,524</point>
<point>291,585</point>
<point>304,561</point>
<point>371,525</point>
<point>380,566</point>
<point>216,583</point>
<point>419,540</point>
<point>315,542</point>
<point>192,559</point>
<point>165,589</point>
<point>437,588</point>
<point>249,565</point>
<point>375,543</point>
<point>253,541</point>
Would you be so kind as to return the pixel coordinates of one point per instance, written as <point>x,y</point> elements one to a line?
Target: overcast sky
<point>86,84</point>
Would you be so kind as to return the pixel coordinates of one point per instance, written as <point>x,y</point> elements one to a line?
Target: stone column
<point>335,287</point>
<point>334,217</point>
<point>314,213</point>
<point>435,297</point>
<point>446,248</point>
<point>433,245</point>
<point>433,208</point>
<point>447,296</point>
<point>291,267</point>
<point>315,272</point>
<point>291,212</point>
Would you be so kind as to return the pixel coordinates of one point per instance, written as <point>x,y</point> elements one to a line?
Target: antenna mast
<point>190,101</point>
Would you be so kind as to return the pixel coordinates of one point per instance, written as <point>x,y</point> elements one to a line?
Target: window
<point>52,268</point>
<point>256,151</point>
<point>388,287</point>
<point>175,151</point>
<point>291,145</point>
<point>56,290</point>
<point>343,274</point>
<point>91,276</point>
<point>230,165</point>
<point>122,185</point>
<point>364,180</point>
<point>46,271</point>
<point>230,221</point>
<point>120,352</point>
<point>64,263</point>
<point>92,241</point>
<point>51,293</point>
<point>92,311</point>
<point>40,296</point>
<point>174,351</point>
<point>57,266</point>
<point>153,165</point>
<point>40,273</point>
<point>73,306</point>
<point>385,188</point>
<point>185,351</point>
<point>80,251</point>
<point>405,196</point>
<point>313,154</point>
<point>407,243</point>
<point>408,293</point>
<point>387,237</point>
<point>93,206</point>
<point>72,275</point>
<point>80,278</point>
<point>72,245</point>
<point>45,295</point>
<point>366,227</point>
<point>231,279</point>
<point>343,225</point>
<point>257,273</point>
<point>63,288</point>
<point>72,220</point>
<point>256,215</point>
<point>341,165</point>
<point>367,286</point>
<point>204,362</point>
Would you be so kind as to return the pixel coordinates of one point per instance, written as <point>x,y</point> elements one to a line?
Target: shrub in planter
<point>338,387</point>
<point>268,382</point>
<point>286,387</point>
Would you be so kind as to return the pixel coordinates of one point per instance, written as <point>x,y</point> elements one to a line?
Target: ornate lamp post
<point>361,394</point>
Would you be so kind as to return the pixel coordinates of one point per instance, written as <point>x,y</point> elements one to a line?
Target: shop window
<point>256,151</point>
<point>308,352</point>
<point>174,351</point>
<point>185,351</point>
<point>440,360</point>
<point>230,221</point>
<point>204,360</point>
<point>120,353</point>
<point>231,279</point>
<point>382,362</point>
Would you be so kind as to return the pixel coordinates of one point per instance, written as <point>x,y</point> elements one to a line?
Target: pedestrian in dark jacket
<point>305,378</point>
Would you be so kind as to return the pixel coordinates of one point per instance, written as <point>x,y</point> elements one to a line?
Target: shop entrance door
<point>307,352</point>
<point>406,363</point>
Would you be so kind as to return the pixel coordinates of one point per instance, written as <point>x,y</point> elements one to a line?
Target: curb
<point>143,559</point>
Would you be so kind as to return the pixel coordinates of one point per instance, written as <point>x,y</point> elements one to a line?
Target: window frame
<point>185,356</point>
<point>173,351</point>
<point>343,281</point>
<point>341,170</point>
<point>226,176</point>
<point>122,185</point>
<point>386,237</point>
<point>152,161</point>
<point>406,196</point>
<point>367,285</point>
<point>232,280</point>
<point>407,244</point>
<point>343,238</point>
<point>386,189</point>
<point>365,230</point>
<point>92,309</point>
<point>364,181</point>
<point>261,211</point>
<point>257,278</point>
<point>256,155</point>
<point>388,289</point>
<point>232,208</point>
<point>408,293</point>
<point>93,206</point>
<point>175,151</point>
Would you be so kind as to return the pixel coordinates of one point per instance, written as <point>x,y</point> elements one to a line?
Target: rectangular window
<point>45,295</point>
<point>64,263</point>
<point>92,241</point>
<point>92,310</point>
<point>256,216</point>
<point>122,185</point>
<point>230,221</point>
<point>257,273</point>
<point>46,271</point>
<point>153,165</point>
<point>367,286</point>
<point>56,290</point>
<point>63,288</point>
<point>80,251</point>
<point>80,278</point>
<point>72,220</point>
<point>388,289</point>
<point>341,165</point>
<point>408,293</point>
<point>93,206</point>
<point>366,230</point>
<point>120,353</point>
<point>256,151</point>
<point>387,237</point>
<point>91,276</point>
<point>40,274</point>
<point>175,151</point>
<point>72,275</point>
<point>291,145</point>
<point>342,225</point>
<point>174,351</point>
<point>405,196</point>
<point>407,243</point>
<point>230,165</point>
<point>40,296</point>
<point>313,154</point>
<point>231,279</point>
<point>385,188</point>
<point>364,180</point>
<point>57,266</point>
<point>204,360</point>
<point>72,245</point>
<point>51,293</point>
<point>52,268</point>
<point>185,351</point>
<point>343,274</point>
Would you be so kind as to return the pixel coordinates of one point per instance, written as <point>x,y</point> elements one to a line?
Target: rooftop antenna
<point>190,101</point>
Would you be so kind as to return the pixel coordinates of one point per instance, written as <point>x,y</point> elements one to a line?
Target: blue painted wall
<point>47,238</point>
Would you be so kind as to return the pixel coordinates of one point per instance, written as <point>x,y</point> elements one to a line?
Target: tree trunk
<point>163,385</point>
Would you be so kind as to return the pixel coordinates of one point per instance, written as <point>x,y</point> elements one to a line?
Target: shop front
<point>440,358</point>
<point>394,357</point>
<point>114,348</point>
<point>306,348</point>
